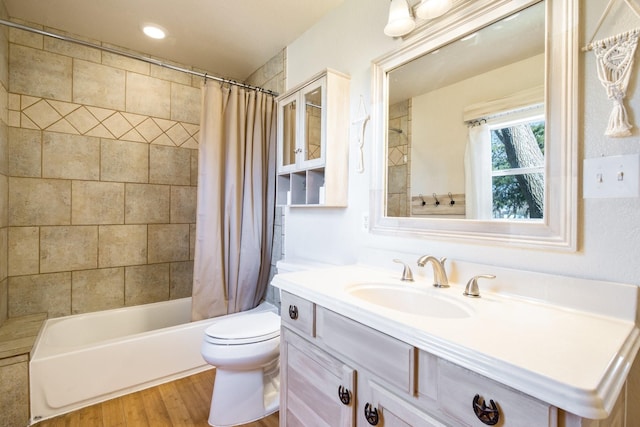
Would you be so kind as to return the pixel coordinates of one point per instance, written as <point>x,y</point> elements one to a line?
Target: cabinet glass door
<point>314,118</point>
<point>288,114</point>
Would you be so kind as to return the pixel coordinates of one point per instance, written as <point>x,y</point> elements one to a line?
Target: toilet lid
<point>245,328</point>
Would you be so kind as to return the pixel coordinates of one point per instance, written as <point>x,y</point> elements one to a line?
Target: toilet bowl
<point>245,349</point>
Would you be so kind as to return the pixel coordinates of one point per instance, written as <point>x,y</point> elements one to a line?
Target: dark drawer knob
<point>344,394</point>
<point>490,415</point>
<point>293,312</point>
<point>371,414</point>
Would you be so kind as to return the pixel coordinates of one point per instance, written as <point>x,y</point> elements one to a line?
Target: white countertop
<point>575,360</point>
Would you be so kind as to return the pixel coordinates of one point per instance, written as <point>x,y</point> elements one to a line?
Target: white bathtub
<point>83,359</point>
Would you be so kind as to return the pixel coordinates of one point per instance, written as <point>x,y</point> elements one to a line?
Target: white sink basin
<point>410,300</point>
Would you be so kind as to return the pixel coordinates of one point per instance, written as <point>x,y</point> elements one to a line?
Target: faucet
<point>439,274</point>
<point>472,289</point>
<point>407,275</point>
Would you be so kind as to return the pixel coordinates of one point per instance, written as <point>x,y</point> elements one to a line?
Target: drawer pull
<point>344,394</point>
<point>371,414</point>
<point>293,312</point>
<point>488,415</point>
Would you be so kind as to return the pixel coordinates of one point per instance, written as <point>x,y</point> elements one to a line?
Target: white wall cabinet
<point>391,383</point>
<point>313,132</point>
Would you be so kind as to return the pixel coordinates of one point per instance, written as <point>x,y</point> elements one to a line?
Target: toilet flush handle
<point>293,312</point>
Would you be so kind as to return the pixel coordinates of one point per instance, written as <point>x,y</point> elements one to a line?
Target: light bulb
<point>400,20</point>
<point>430,9</point>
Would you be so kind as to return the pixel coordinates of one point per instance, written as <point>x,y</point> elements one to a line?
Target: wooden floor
<point>184,402</point>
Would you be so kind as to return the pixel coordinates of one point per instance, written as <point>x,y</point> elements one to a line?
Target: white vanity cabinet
<point>339,372</point>
<point>313,132</point>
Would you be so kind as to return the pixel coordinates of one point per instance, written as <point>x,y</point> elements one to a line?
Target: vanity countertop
<point>575,360</point>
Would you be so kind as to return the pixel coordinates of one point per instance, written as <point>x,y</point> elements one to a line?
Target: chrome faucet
<point>440,279</point>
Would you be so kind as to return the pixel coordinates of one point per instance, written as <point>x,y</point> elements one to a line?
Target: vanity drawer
<point>458,388</point>
<point>387,358</point>
<point>298,313</point>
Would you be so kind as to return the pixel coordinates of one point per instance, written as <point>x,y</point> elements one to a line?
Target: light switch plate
<point>611,176</point>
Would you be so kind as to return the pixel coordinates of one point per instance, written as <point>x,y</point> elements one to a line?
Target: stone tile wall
<point>99,191</point>
<point>102,176</point>
<point>4,168</point>
<point>399,160</point>
<point>14,371</point>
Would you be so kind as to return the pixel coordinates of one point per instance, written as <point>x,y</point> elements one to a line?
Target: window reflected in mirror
<point>517,169</point>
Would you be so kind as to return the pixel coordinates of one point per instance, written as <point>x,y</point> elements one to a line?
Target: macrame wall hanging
<point>614,56</point>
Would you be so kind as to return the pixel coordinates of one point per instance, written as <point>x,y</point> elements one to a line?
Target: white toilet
<point>245,349</point>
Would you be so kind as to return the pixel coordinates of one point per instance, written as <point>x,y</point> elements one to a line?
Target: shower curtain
<point>236,200</point>
<point>477,173</point>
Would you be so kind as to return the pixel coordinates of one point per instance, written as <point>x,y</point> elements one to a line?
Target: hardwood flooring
<point>181,403</point>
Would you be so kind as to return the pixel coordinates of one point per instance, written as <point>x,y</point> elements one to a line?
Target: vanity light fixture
<point>154,31</point>
<point>430,9</point>
<point>401,21</point>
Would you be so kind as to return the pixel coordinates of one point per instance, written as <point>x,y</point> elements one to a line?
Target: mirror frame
<point>558,228</point>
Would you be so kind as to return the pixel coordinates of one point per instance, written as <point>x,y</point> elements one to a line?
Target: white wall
<point>348,39</point>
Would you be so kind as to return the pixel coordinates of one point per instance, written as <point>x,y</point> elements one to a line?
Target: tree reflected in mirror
<point>517,163</point>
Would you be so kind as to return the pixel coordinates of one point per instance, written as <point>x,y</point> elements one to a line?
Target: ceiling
<point>228,38</point>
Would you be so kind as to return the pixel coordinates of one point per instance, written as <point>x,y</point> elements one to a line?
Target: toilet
<point>245,349</point>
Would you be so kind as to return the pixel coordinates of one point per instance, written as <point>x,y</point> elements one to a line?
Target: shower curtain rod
<point>205,76</point>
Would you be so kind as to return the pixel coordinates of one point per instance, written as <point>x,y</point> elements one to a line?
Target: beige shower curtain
<point>236,197</point>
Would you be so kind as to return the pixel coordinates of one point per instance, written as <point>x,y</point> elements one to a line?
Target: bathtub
<point>83,359</point>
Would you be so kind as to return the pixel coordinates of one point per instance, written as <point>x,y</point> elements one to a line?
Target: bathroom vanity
<point>360,347</point>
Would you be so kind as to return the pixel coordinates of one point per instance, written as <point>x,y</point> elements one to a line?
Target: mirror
<point>289,133</point>
<point>475,129</point>
<point>313,123</point>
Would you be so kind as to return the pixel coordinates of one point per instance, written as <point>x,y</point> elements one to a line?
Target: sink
<point>410,299</point>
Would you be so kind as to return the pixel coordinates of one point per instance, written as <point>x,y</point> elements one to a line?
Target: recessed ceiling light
<point>154,31</point>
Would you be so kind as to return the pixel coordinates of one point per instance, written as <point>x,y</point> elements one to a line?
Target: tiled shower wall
<point>102,179</point>
<point>399,160</point>
<point>4,168</point>
<point>102,165</point>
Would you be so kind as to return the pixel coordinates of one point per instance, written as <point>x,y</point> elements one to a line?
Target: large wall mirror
<point>475,126</point>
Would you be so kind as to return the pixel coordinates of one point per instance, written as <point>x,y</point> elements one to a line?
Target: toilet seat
<point>244,329</point>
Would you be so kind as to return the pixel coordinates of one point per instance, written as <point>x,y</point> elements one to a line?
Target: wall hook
<point>437,201</point>
<point>422,198</point>
<point>452,202</point>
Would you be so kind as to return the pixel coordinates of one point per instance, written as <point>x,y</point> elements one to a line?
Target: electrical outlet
<point>611,176</point>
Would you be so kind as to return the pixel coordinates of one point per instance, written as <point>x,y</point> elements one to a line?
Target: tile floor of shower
<point>181,403</point>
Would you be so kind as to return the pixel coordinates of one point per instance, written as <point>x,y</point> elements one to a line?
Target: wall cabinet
<point>338,372</point>
<point>313,132</point>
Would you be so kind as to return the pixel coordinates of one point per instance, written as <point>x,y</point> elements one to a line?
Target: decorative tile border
<point>76,119</point>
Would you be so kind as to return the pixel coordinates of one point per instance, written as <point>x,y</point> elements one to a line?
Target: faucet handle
<point>407,275</point>
<point>472,289</point>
